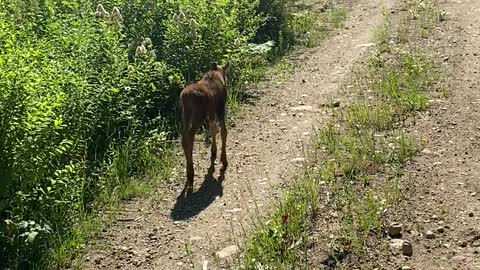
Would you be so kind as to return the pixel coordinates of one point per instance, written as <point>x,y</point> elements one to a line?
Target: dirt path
<point>265,148</point>
<point>449,169</point>
<point>442,216</point>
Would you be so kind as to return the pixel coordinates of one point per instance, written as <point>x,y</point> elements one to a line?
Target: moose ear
<point>214,66</point>
<point>226,66</point>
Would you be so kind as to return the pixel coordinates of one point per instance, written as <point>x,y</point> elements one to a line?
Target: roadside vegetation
<point>89,103</point>
<point>355,162</point>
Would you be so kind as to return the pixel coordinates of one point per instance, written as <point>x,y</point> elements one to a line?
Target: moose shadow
<point>192,205</point>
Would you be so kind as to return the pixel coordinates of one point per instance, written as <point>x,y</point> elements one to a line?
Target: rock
<point>137,263</point>
<point>298,160</point>
<point>458,259</point>
<point>396,244</point>
<point>227,252</point>
<point>304,108</point>
<point>406,268</point>
<point>426,151</point>
<point>195,238</point>
<point>463,244</point>
<point>366,45</point>
<point>407,248</point>
<point>430,235</point>
<point>395,229</point>
<point>98,260</point>
<point>441,229</point>
<point>336,104</point>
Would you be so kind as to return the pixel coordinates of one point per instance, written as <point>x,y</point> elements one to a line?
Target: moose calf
<point>204,100</point>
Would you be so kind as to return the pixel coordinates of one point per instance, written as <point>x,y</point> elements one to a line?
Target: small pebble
<point>458,259</point>
<point>430,235</point>
<point>395,229</point>
<point>407,248</point>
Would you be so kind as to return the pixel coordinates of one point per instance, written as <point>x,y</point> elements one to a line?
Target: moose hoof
<point>224,166</point>
<point>187,191</point>
<point>213,158</point>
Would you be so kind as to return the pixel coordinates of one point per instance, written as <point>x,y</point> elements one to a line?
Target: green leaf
<point>31,237</point>
<point>22,224</point>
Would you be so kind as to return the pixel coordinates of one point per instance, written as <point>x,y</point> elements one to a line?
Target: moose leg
<point>213,133</point>
<point>187,145</point>
<point>223,131</point>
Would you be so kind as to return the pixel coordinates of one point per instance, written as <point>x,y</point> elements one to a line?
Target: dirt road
<point>264,150</point>
<point>448,173</point>
<point>441,214</point>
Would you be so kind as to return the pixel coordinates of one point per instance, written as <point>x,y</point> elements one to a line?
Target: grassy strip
<point>362,152</point>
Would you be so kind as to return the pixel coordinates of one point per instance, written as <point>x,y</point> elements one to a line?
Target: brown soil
<point>442,184</point>
<point>445,178</point>
<point>264,151</point>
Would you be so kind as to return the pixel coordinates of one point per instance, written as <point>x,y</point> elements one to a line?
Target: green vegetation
<point>358,156</point>
<point>278,243</point>
<point>89,99</point>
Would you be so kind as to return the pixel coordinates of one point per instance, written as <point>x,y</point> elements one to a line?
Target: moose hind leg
<point>213,131</point>
<point>187,145</point>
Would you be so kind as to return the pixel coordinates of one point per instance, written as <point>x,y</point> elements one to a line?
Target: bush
<point>276,27</point>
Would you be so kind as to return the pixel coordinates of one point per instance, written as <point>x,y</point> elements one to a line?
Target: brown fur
<point>204,100</point>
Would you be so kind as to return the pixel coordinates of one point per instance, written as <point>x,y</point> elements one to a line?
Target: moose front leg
<point>223,156</point>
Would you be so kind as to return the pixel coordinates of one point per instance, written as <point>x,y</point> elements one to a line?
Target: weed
<point>275,244</point>
<point>378,116</point>
<point>313,26</point>
<point>407,148</point>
